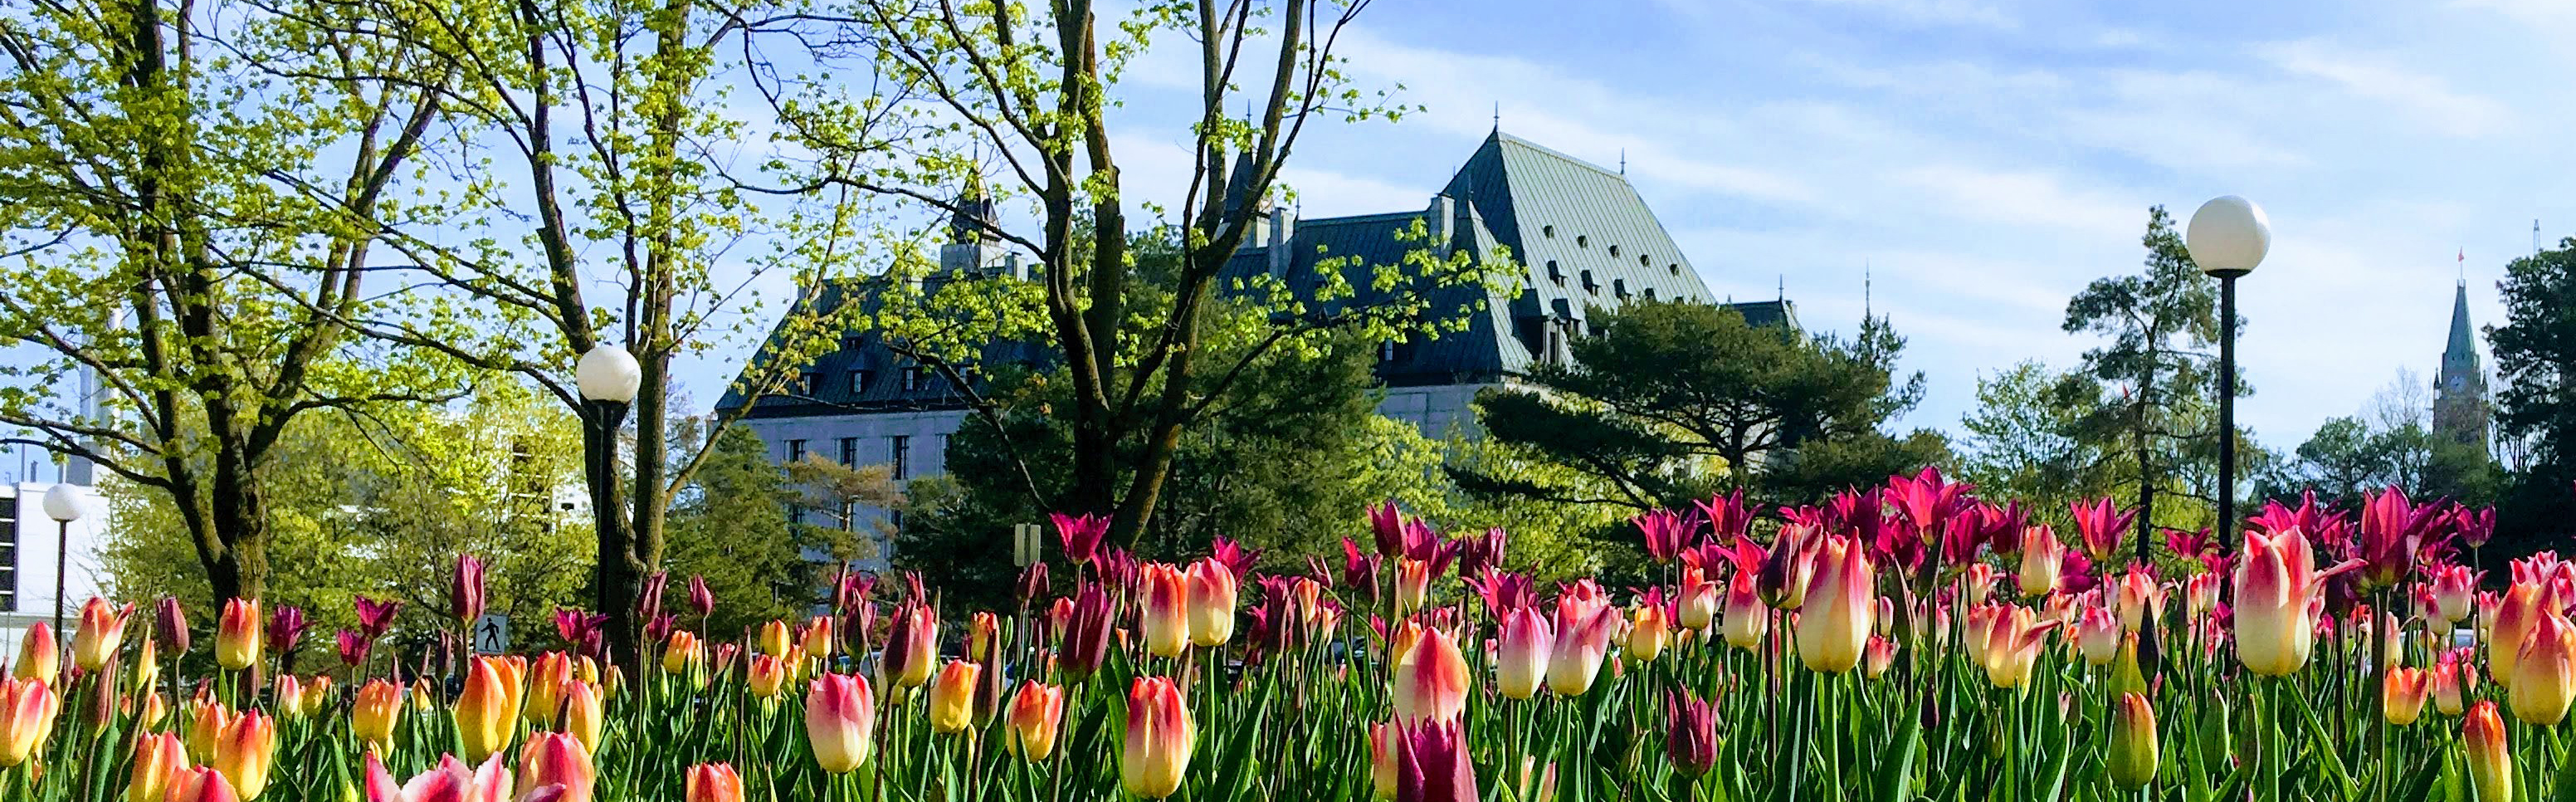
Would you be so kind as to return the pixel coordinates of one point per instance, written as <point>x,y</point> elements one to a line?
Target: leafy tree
<point>2023,441</point>
<point>192,231</point>
<point>2535,352</point>
<point>730,527</point>
<point>842,496</point>
<point>1669,402</point>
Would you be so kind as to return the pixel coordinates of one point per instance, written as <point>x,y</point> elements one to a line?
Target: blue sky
<point>1986,158</point>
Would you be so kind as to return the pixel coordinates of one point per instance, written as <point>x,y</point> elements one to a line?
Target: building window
<point>1588,286</point>
<point>1650,293</point>
<point>853,342</point>
<point>1550,231</point>
<point>858,382</point>
<point>901,444</point>
<point>1645,261</point>
<point>1555,274</point>
<point>1619,287</point>
<point>914,378</point>
<point>810,384</point>
<point>795,450</point>
<point>9,554</point>
<point>850,452</point>
<point>1614,251</point>
<point>1581,241</point>
<point>1385,351</point>
<point>1674,268</point>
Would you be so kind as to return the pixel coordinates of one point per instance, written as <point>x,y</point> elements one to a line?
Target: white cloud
<point>1939,12</point>
<point>2413,95</point>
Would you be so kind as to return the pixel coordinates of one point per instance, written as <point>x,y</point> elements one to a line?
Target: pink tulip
<point>1431,679</point>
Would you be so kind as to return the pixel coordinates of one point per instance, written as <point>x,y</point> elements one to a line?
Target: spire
<point>2462,349</point>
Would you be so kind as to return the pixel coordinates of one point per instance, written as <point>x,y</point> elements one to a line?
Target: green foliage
<point>2022,439</point>
<point>730,527</point>
<point>379,503</point>
<point>1670,402</point>
<point>2535,353</point>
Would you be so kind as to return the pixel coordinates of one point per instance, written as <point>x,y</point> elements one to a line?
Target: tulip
<point>377,709</point>
<point>1582,640</point>
<point>2133,741</point>
<point>1383,737</point>
<point>1692,738</point>
<point>816,638</point>
<point>1080,535</point>
<point>2012,645</point>
<point>451,781</point>
<point>1431,764</point>
<point>714,782</point>
<point>2453,680</point>
<point>581,712</point>
<point>207,721</point>
<point>1699,600</point>
<point>1158,741</point>
<point>487,712</point>
<point>683,653</point>
<point>2275,581</point>
<point>2402,695</point>
<point>154,710</point>
<point>1788,568</point>
<point>840,717</point>
<point>2490,765</point>
<point>2141,600</point>
<point>102,628</point>
<point>1665,532</point>
<point>27,709</point>
<point>912,647</point>
<point>465,590</point>
<point>702,600</point>
<point>375,618</point>
<point>170,623</point>
<point>2454,590</point>
<point>1212,600</point>
<point>1747,618</point>
<point>983,629</point>
<point>1834,625</point>
<point>1976,582</point>
<point>285,629</point>
<point>245,751</point>
<point>288,695</point>
<point>159,759</point>
<point>553,758</point>
<point>237,634</point>
<point>1167,609</point>
<point>2200,595</point>
<point>766,677</point>
<point>353,647</point>
<point>2514,616</point>
<point>2102,524</point>
<point>1431,679</point>
<point>200,785</point>
<point>39,657</point>
<point>774,638</point>
<point>952,696</point>
<point>1647,636</point>
<point>1881,656</point>
<point>1521,653</point>
<point>2041,553</point>
<point>2097,635</point>
<point>1036,711</point>
<point>545,682</point>
<point>2544,672</point>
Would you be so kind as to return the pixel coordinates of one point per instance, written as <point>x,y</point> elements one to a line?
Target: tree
<point>1669,402</point>
<point>193,227</point>
<point>2535,352</point>
<point>2023,440</point>
<point>840,494</point>
<point>2158,427</point>
<point>1010,105</point>
<point>730,527</point>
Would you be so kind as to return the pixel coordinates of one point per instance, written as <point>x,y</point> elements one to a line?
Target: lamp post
<point>608,377</point>
<point>2227,237</point>
<point>63,503</point>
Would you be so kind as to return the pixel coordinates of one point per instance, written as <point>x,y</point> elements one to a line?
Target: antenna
<point>2535,238</point>
<point>1864,289</point>
<point>1623,161</point>
<point>1783,288</point>
<point>1498,116</point>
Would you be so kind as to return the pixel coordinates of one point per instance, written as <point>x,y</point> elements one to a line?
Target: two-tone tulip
<point>816,638</point>
<point>952,696</point>
<point>1648,634</point>
<point>2402,694</point>
<point>1412,584</point>
<point>1036,713</point>
<point>1212,600</point>
<point>2275,581</point>
<point>159,757</point>
<point>2041,553</point>
<point>1384,741</point>
<point>2141,599</point>
<point>487,711</point>
<point>1747,619</point>
<point>237,634</point>
<point>200,784</point>
<point>683,653</point>
<point>2454,590</point>
<point>1690,733</point>
<point>714,782</point>
<point>245,752</point>
<point>1881,656</point>
<point>766,677</point>
<point>2133,741</point>
<point>102,628</point>
<point>287,693</point>
<point>840,718</point>
<point>1582,641</point>
<point>2515,614</point>
<point>39,656</point>
<point>1521,649</point>
<point>2544,672</point>
<point>375,713</point>
<point>582,714</point>
<point>207,721</point>
<point>27,710</point>
<point>1166,616</point>
<point>2490,760</point>
<point>1431,764</point>
<point>2097,635</point>
<point>2454,680</point>
<point>1834,624</point>
<point>1697,605</point>
<point>2012,645</point>
<point>553,758</point>
<point>1159,739</point>
<point>912,647</point>
<point>1431,679</point>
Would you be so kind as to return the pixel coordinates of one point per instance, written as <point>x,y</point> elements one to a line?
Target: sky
<point>1982,160</point>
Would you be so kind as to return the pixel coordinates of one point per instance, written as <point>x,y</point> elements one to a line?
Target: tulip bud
<point>1212,600</point>
<point>102,628</point>
<point>373,716</point>
<point>1834,623</point>
<point>774,638</point>
<point>816,639</point>
<point>2490,763</point>
<point>27,710</point>
<point>2097,635</point>
<point>553,758</point>
<point>840,717</point>
<point>39,657</point>
<point>952,697</point>
<point>237,634</point>
<point>245,751</point>
<point>2275,582</point>
<point>1881,657</point>
<point>2453,680</point>
<point>1692,738</point>
<point>1431,764</point>
<point>683,652</point>
<point>159,759</point>
<point>1035,714</point>
<point>912,647</point>
<point>465,590</point>
<point>1159,739</point>
<point>2133,741</point>
<point>1699,600</point>
<point>487,712</point>
<point>2544,672</point>
<point>766,677</point>
<point>287,693</point>
<point>1747,618</point>
<point>1582,640</point>
<point>2515,614</point>
<point>714,782</point>
<point>2041,554</point>
<point>1521,653</point>
<point>200,784</point>
<point>983,630</point>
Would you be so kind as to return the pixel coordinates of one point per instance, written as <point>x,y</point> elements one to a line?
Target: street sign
<point>492,634</point>
<point>1024,544</point>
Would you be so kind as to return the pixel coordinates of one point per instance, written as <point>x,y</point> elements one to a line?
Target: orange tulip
<point>1212,598</point>
<point>1412,584</point>
<point>487,712</point>
<point>2490,762</point>
<point>1834,623</point>
<point>317,695</point>
<point>2275,578</point>
<point>27,709</point>
<point>816,639</point>
<point>102,628</point>
<point>983,629</point>
<point>154,709</point>
<point>377,710</point>
<point>2453,680</point>
<point>1035,714</point>
<point>1431,679</point>
<point>1647,636</point>
<point>766,677</point>
<point>39,657</point>
<point>1159,739</point>
<point>159,758</point>
<point>840,717</point>
<point>2544,672</point>
<point>2515,615</point>
<point>553,758</point>
<point>244,753</point>
<point>684,652</point>
<point>237,635</point>
<point>545,681</point>
<point>581,712</point>
<point>2403,694</point>
<point>714,782</point>
<point>1382,768</point>
<point>207,721</point>
<point>952,696</point>
<point>774,638</point>
<point>1167,610</point>
<point>200,784</point>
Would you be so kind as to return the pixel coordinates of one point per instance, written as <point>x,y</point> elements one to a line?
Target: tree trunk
<point>2146,460</point>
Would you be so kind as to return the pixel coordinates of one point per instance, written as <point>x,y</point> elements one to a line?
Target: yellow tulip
<point>952,696</point>
<point>487,712</point>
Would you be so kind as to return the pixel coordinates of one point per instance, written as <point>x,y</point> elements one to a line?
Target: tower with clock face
<point>2460,410</point>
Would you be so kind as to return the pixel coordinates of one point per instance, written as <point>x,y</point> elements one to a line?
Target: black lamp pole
<point>2226,400</point>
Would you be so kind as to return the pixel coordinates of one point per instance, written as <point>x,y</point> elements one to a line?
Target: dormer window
<point>914,378</point>
<point>1555,274</point>
<point>1645,261</point>
<point>1614,251</point>
<point>1588,286</point>
<point>1619,287</point>
<point>1673,268</point>
<point>1581,241</point>
<point>858,382</point>
<point>809,384</point>
<point>1650,293</point>
<point>1549,231</point>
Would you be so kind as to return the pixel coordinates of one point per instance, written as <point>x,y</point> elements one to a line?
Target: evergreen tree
<point>2535,352</point>
<point>730,527</point>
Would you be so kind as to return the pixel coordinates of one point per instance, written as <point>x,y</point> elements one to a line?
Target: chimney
<point>1444,220</point>
<point>1283,231</point>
